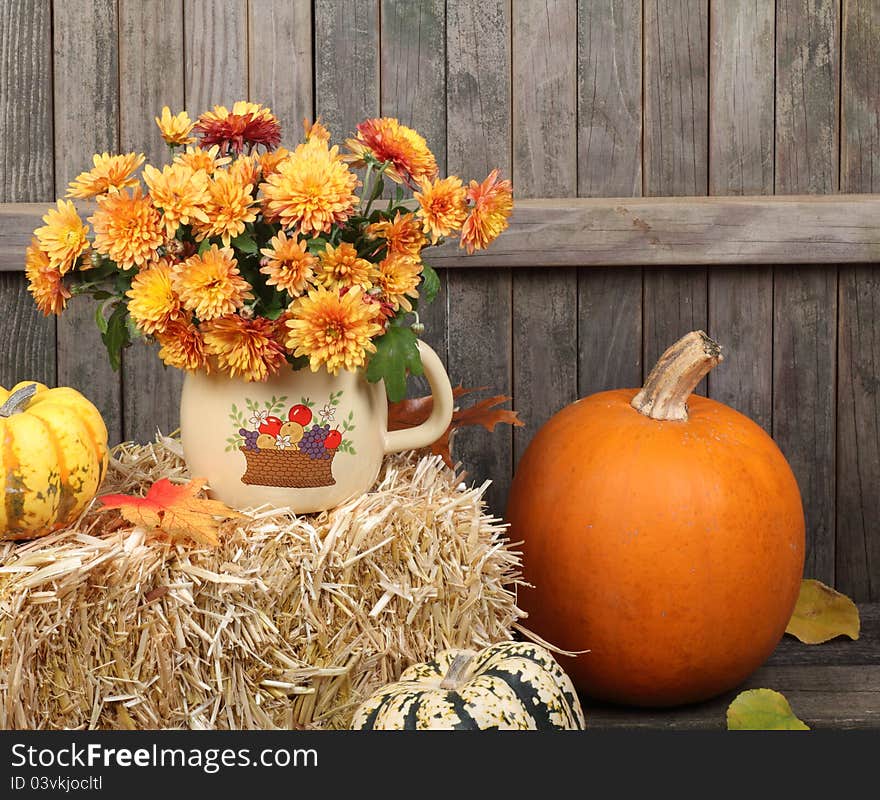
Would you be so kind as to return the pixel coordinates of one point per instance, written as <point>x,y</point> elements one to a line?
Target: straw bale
<point>289,623</point>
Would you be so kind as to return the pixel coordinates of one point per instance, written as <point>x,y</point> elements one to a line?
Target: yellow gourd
<point>53,456</point>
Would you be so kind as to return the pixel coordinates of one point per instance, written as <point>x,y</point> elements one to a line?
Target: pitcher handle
<point>441,415</point>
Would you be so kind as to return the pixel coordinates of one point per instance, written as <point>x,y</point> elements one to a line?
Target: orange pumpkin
<point>662,532</point>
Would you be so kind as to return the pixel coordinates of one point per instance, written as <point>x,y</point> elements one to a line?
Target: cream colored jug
<point>303,440</point>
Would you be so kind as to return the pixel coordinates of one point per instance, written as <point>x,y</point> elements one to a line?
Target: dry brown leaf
<point>822,613</point>
<point>485,413</point>
<point>174,510</point>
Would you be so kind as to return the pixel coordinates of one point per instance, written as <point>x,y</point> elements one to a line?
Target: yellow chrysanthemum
<point>246,169</point>
<point>183,347</point>
<point>209,285</point>
<point>493,202</point>
<point>153,304</point>
<point>197,158</point>
<point>340,267</point>
<point>176,129</point>
<point>398,278</point>
<point>44,281</point>
<point>333,331</point>
<point>64,237</point>
<point>180,193</point>
<point>271,160</point>
<point>312,189</point>
<point>247,124</point>
<point>128,228</point>
<point>403,234</point>
<point>410,160</point>
<point>442,206</point>
<point>230,205</point>
<point>110,174</point>
<point>288,264</point>
<point>245,348</point>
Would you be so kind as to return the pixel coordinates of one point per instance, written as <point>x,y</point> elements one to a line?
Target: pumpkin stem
<point>675,376</point>
<point>457,670</point>
<point>17,399</point>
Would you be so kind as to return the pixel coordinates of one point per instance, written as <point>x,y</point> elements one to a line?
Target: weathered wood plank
<point>609,98</point>
<point>858,395</point>
<point>86,74</point>
<point>832,686</point>
<point>544,165</point>
<point>216,54</point>
<point>280,62</point>
<point>26,163</point>
<point>478,110</point>
<point>676,47</point>
<point>609,164</point>
<point>624,231</point>
<point>346,63</point>
<point>413,53</point>
<point>741,162</point>
<point>152,74</point>
<point>805,300</point>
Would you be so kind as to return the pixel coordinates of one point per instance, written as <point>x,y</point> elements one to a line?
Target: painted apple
<point>333,440</point>
<point>271,426</point>
<point>300,414</point>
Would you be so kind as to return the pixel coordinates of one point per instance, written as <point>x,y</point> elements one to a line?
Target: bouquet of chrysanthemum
<point>241,256</point>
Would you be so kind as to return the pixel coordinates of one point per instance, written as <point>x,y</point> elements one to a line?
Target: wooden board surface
<point>835,685</point>
<point>623,232</point>
<point>805,300</point>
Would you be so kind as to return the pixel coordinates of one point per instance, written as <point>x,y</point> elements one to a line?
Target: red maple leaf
<point>174,510</point>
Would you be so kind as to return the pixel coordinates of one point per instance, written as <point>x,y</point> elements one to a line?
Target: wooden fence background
<point>588,98</point>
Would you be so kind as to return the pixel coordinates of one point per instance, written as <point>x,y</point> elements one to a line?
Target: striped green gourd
<point>508,686</point>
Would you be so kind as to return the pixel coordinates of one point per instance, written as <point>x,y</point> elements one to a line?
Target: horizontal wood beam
<point>619,232</point>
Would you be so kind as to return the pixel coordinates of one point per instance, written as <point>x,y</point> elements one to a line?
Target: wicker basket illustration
<point>289,468</point>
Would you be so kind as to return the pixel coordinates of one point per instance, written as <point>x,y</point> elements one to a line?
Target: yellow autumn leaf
<point>762,710</point>
<point>822,613</point>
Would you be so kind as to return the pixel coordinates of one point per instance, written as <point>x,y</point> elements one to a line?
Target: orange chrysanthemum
<point>44,281</point>
<point>153,304</point>
<point>288,264</point>
<point>176,129</point>
<point>340,267</point>
<point>180,193</point>
<point>333,331</point>
<point>312,189</point>
<point>403,234</point>
<point>247,169</point>
<point>64,237</point>
<point>246,125</point>
<point>315,130</point>
<point>209,285</point>
<point>245,348</point>
<point>493,202</point>
<point>183,347</point>
<point>230,206</point>
<point>406,150</point>
<point>442,206</point>
<point>271,160</point>
<point>197,158</point>
<point>110,174</point>
<point>398,278</point>
<point>128,228</point>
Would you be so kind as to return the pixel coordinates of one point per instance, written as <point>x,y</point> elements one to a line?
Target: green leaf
<point>246,244</point>
<point>116,336</point>
<point>430,284</point>
<point>762,710</point>
<point>378,188</point>
<point>396,356</point>
<point>204,246</point>
<point>822,613</point>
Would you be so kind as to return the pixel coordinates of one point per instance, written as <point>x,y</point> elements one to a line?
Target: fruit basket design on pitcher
<point>296,452</point>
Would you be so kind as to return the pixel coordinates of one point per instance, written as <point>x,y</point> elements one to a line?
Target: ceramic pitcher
<point>303,440</point>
